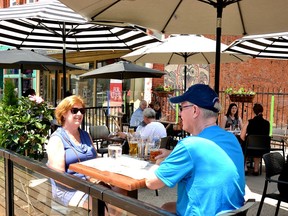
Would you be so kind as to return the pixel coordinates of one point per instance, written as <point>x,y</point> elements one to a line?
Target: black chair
<point>257,146</point>
<point>241,211</point>
<point>277,144</point>
<point>274,163</point>
<point>99,133</point>
<point>168,142</point>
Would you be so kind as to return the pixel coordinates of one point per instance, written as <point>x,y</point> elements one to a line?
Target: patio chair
<point>99,133</point>
<point>274,163</point>
<point>277,144</point>
<point>257,146</point>
<point>241,211</point>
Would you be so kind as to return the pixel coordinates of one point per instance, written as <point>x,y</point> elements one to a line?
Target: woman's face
<point>156,107</point>
<point>74,116</point>
<point>234,110</point>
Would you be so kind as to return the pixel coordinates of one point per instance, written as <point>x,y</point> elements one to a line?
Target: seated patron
<point>137,116</point>
<point>256,126</point>
<point>231,119</point>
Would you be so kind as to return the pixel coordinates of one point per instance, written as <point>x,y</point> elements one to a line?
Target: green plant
<point>164,88</point>
<point>240,91</point>
<point>24,127</point>
<point>9,97</point>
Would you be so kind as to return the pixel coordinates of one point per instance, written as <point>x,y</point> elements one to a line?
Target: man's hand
<point>163,154</point>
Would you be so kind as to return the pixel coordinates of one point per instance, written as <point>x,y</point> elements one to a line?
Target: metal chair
<point>274,163</point>
<point>99,134</point>
<point>257,146</point>
<point>278,144</point>
<point>241,211</point>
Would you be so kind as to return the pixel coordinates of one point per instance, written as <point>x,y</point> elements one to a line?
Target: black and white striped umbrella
<point>53,26</point>
<point>273,46</point>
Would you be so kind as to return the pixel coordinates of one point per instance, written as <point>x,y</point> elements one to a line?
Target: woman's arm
<point>56,154</point>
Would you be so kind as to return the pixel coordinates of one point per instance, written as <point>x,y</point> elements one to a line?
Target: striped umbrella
<point>53,26</point>
<point>273,46</point>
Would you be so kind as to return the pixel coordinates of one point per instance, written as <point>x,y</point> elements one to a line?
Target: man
<point>152,129</point>
<point>149,128</point>
<point>208,165</point>
<point>137,116</point>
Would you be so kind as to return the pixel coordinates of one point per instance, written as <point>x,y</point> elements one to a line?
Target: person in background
<point>256,126</point>
<point>69,144</point>
<point>157,109</point>
<point>149,128</point>
<point>207,166</point>
<point>231,119</point>
<point>152,128</point>
<point>28,92</point>
<point>137,116</point>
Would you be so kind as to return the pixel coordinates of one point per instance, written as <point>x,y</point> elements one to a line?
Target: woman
<point>256,126</point>
<point>231,118</point>
<point>69,144</point>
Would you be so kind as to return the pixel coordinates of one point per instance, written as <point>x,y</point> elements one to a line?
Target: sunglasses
<point>76,110</point>
<point>183,107</point>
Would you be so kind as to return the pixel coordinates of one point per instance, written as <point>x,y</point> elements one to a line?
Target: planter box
<point>163,93</point>
<point>241,98</point>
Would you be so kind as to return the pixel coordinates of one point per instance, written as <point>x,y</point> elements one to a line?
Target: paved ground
<point>254,183</point>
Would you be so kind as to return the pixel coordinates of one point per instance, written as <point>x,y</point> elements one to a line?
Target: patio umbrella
<point>274,46</point>
<point>122,70</point>
<point>182,49</point>
<point>51,25</point>
<point>191,17</point>
<point>26,59</point>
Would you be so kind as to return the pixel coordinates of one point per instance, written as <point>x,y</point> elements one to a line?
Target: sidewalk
<point>254,183</point>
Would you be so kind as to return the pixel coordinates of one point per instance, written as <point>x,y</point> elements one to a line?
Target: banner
<point>116,91</point>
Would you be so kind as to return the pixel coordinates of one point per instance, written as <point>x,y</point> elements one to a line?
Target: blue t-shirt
<point>208,181</point>
<point>230,144</point>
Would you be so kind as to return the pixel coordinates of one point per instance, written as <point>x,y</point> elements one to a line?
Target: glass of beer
<point>153,153</point>
<point>114,150</point>
<point>133,147</point>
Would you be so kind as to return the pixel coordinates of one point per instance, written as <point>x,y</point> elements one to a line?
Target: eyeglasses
<point>76,110</point>
<point>182,107</point>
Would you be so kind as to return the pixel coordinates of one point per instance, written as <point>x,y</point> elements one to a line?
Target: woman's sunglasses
<point>76,110</point>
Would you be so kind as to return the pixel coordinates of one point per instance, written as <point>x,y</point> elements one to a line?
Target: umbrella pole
<point>185,72</point>
<point>218,47</point>
<point>64,59</point>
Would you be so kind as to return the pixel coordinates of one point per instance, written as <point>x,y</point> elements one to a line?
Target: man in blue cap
<point>208,166</point>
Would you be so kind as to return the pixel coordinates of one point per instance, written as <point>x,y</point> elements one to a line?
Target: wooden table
<point>129,185</point>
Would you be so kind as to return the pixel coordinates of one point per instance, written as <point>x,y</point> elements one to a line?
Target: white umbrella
<point>233,17</point>
<point>51,25</point>
<point>183,49</point>
<point>274,46</point>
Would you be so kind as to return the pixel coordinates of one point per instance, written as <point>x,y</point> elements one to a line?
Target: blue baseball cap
<point>200,95</point>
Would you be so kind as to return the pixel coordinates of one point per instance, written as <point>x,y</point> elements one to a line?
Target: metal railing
<point>10,164</point>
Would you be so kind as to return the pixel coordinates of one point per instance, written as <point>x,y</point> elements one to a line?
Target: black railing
<point>21,197</point>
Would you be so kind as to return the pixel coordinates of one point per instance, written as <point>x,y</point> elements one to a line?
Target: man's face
<point>143,105</point>
<point>186,115</point>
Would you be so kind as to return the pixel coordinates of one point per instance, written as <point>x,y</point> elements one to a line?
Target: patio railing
<point>25,190</point>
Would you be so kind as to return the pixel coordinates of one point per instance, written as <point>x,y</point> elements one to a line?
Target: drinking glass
<point>114,150</point>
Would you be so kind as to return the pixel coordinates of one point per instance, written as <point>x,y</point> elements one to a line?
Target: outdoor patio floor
<point>255,184</point>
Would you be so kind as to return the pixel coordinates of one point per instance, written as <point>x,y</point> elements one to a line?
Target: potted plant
<point>163,91</point>
<point>24,127</point>
<point>240,95</point>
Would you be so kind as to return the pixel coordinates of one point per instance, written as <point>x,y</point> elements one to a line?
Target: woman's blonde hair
<point>65,105</point>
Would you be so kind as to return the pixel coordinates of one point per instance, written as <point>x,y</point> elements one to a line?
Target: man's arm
<point>152,181</point>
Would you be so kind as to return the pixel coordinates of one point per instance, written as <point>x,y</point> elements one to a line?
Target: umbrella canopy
<point>191,17</point>
<point>122,70</point>
<point>273,46</point>
<point>51,25</point>
<point>183,49</point>
<point>26,59</point>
